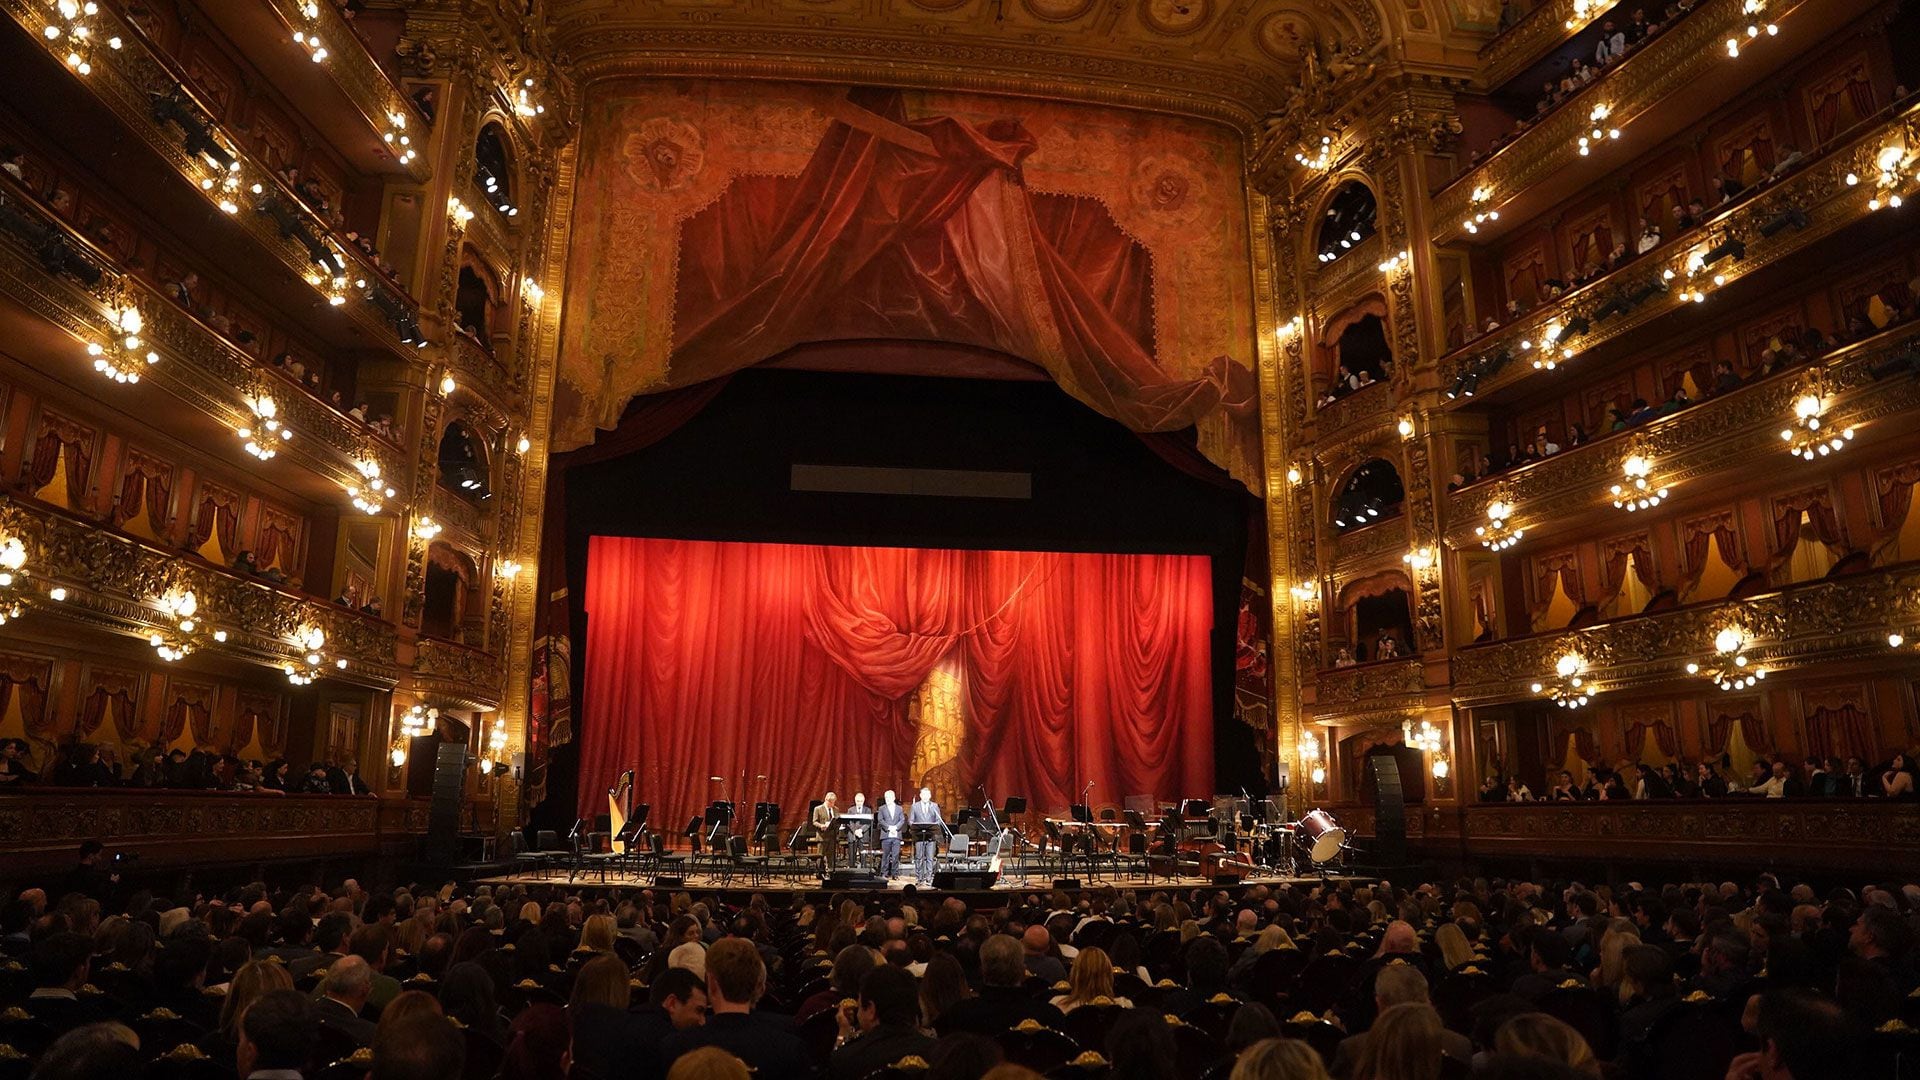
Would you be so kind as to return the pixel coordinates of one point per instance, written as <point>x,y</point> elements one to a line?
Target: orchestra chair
<point>1316,1031</point>
<point>1588,1012</point>
<point>354,1066</point>
<point>160,1030</point>
<point>738,860</point>
<point>183,1062</point>
<point>1214,1015</point>
<point>1036,1046</point>
<point>664,860</point>
<point>1696,1038</point>
<point>1457,992</point>
<point>819,1032</point>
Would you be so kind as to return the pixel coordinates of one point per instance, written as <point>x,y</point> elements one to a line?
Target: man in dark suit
<point>1002,1001</point>
<point>348,985</point>
<point>59,968</point>
<point>891,821</point>
<point>882,1028</point>
<point>1397,986</point>
<point>277,1035</point>
<point>923,812</point>
<point>736,977</point>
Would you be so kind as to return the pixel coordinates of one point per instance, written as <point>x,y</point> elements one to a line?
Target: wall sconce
<point>494,753</point>
<point>1482,196</point>
<point>1805,439</point>
<point>1399,259</point>
<point>525,444</point>
<point>417,721</point>
<point>397,139</point>
<point>184,634</point>
<point>459,214</point>
<point>523,102</point>
<point>1310,757</point>
<point>531,289</point>
<point>1728,668</point>
<point>1295,475</point>
<point>1421,559</point>
<point>426,528</point>
<point>1405,427</point>
<point>447,385</point>
<point>1599,131</point>
<point>312,663</point>
<point>1289,328</point>
<point>371,496</point>
<point>264,435</point>
<point>1756,25</point>
<point>1568,687</point>
<point>1322,155</point>
<point>1306,593</point>
<point>123,356</point>
<point>508,570</point>
<point>14,595</point>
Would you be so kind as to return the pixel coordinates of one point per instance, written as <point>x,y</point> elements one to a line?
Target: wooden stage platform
<point>591,879</point>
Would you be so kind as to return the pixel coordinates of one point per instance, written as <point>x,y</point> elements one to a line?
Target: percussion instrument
<point>1321,836</point>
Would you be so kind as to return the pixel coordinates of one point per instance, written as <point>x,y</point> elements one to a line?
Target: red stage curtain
<point>797,662</point>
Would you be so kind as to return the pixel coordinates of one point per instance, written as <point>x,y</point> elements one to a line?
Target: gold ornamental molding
<point>1720,436</point>
<point>1362,416</point>
<point>458,676</point>
<point>1854,832</point>
<point>1801,626</point>
<point>1665,66</point>
<point>1538,32</point>
<point>353,69</point>
<point>1819,191</point>
<point>1369,695</point>
<point>197,365</point>
<point>121,81</point>
<point>187,827</point>
<point>112,581</point>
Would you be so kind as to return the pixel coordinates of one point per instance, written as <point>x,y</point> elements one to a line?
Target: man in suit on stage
<point>891,820</point>
<point>826,825</point>
<point>923,812</point>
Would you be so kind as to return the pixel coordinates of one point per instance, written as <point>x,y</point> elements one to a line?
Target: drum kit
<point>1315,843</point>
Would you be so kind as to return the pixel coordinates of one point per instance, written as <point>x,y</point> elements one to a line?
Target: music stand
<point>922,833</point>
<point>580,835</point>
<point>1080,813</point>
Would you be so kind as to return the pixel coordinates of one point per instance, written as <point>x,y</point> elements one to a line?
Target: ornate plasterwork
<point>1536,34</point>
<point>1820,191</point>
<point>1846,833</point>
<point>113,582</point>
<point>456,675</point>
<point>354,70</point>
<point>1368,684</point>
<point>1726,433</point>
<point>1823,622</point>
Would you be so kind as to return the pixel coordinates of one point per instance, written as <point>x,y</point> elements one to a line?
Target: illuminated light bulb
<point>447,385</point>
<point>524,444</point>
<point>1319,775</point>
<point>1896,639</point>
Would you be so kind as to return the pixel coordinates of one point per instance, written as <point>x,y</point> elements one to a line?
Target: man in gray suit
<point>923,812</point>
<point>891,820</point>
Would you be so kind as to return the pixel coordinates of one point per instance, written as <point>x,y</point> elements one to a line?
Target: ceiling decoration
<point>1236,61</point>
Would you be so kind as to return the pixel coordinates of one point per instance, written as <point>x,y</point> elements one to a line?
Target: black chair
<point>1697,1038</point>
<point>1275,974</point>
<point>1090,1065</point>
<point>754,866</point>
<point>1588,1012</point>
<point>1457,992</point>
<point>665,861</point>
<point>1037,1047</point>
<point>1322,1035</point>
<point>1214,1015</point>
<point>352,1067</point>
<point>906,1068</point>
<point>160,1030</point>
<point>187,1062</point>
<point>819,1032</point>
<point>25,1033</point>
<point>1088,1025</point>
<point>1195,1051</point>
<point>1323,981</point>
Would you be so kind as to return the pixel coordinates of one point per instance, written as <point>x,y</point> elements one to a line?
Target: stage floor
<point>591,878</point>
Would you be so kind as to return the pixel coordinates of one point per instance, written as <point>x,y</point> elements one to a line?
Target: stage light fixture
<point>1792,217</point>
<point>1727,248</point>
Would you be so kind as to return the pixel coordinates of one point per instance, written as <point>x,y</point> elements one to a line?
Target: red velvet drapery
<point>797,661</point>
<point>1896,494</point>
<point>1840,732</point>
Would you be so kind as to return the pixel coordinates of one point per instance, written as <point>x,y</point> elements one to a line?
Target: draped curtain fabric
<point>219,509</point>
<point>57,434</point>
<point>1567,569</point>
<point>1615,568</point>
<point>279,536</point>
<point>1896,494</point>
<point>145,485</point>
<point>1700,534</point>
<point>1752,730</point>
<point>99,704</point>
<point>1663,736</point>
<point>1818,507</point>
<point>1585,743</point>
<point>796,662</point>
<point>189,714</point>
<point>1840,732</point>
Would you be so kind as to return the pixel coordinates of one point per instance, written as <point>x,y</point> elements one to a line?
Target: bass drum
<point>1321,836</point>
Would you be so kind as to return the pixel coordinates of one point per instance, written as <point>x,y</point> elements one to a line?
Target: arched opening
<point>1377,615</point>
<point>493,169</point>
<point>452,594</point>
<point>463,463</point>
<point>1373,493</point>
<point>1349,220</point>
<point>1353,351</point>
<point>473,300</point>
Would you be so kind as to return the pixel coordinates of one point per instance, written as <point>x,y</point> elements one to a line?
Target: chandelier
<point>397,139</point>
<point>265,435</point>
<point>1755,11</point>
<point>426,528</point>
<point>1496,535</point>
<point>1599,131</point>
<point>312,663</point>
<point>523,102</point>
<point>14,595</point>
<point>184,633</point>
<point>1568,687</point>
<point>370,496</point>
<point>417,721</point>
<point>307,39</point>
<point>1728,668</point>
<point>1805,438</point>
<point>73,22</point>
<point>123,355</point>
<point>1637,493</point>
<point>1321,157</point>
<point>1310,757</point>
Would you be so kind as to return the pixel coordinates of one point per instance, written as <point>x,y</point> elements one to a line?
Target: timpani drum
<point>1321,836</point>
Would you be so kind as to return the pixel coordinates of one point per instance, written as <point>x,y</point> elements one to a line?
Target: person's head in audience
<point>253,980</point>
<point>1550,952</point>
<point>963,1056</point>
<point>350,982</point>
<point>1003,962</point>
<point>1803,1035</point>
<point>1251,1024</point>
<point>540,1044</point>
<point>1091,978</point>
<point>1140,1046</point>
<point>1402,1044</point>
<point>736,976</point>
<point>1206,966</point>
<point>60,962</point>
<point>682,995</point>
<point>276,1032</point>
<point>104,1051</point>
<point>603,980</point>
<point>942,985</point>
<point>467,995</point>
<point>421,1045</point>
<point>708,1063</point>
<point>1535,1034</point>
<point>1879,932</point>
<point>1399,984</point>
<point>889,997</point>
<point>408,1004</point>
<point>1279,1059</point>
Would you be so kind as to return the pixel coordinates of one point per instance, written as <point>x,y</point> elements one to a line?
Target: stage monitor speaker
<point>669,881</point>
<point>1389,812</point>
<point>965,879</point>
<point>1070,884</point>
<point>1226,881</point>
<point>853,879</point>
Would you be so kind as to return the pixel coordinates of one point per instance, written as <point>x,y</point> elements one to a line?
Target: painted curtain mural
<point>718,224</point>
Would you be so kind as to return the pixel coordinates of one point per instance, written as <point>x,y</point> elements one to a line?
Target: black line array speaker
<point>1070,884</point>
<point>1389,812</point>
<point>853,879</point>
<point>965,879</point>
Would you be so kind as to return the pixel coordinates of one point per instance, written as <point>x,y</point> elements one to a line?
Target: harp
<point>617,799</point>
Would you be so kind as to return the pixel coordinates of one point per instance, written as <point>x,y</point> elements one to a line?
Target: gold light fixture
<point>1568,687</point>
<point>1321,158</point>
<point>15,596</point>
<point>525,444</point>
<point>1807,438</point>
<point>1306,593</point>
<point>73,23</point>
<point>397,139</point>
<point>1310,757</point>
<point>417,721</point>
<point>123,355</point>
<point>1598,131</point>
<point>264,435</point>
<point>495,751</point>
<point>183,631</point>
<point>448,385</point>
<point>1420,559</point>
<point>1496,534</point>
<point>1399,259</point>
<point>458,213</point>
<point>224,186</point>
<point>1482,196</point>
<point>371,494</point>
<point>1637,492</point>
<point>1890,162</point>
<point>312,663</point>
<point>1757,24</point>
<point>507,570</point>
<point>1728,668</point>
<point>531,289</point>
<point>524,103</point>
<point>426,528</point>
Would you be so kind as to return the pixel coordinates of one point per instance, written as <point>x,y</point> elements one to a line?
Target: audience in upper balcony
<point>1708,779</point>
<point>78,763</point>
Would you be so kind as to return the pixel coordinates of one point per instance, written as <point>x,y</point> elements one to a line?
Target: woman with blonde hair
<point>1189,930</point>
<point>1279,1059</point>
<point>602,980</point>
<point>254,980</point>
<point>530,913</point>
<point>1620,935</point>
<point>597,934</point>
<point>1455,951</point>
<point>405,1005</point>
<point>709,1063</point>
<point>1538,1035</point>
<point>1273,937</point>
<point>1090,982</point>
<point>1402,1044</point>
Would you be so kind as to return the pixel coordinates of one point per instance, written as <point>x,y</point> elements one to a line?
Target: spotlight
<point>1576,325</point>
<point>1792,217</point>
<point>1615,305</point>
<point>1497,361</point>
<point>1733,248</point>
<point>1470,384</point>
<point>1646,291</point>
<point>1458,387</point>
